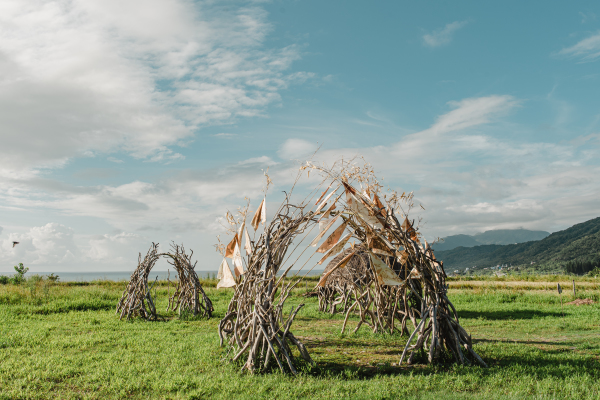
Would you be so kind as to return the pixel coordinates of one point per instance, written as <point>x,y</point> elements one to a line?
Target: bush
<point>594,272</point>
<point>20,276</point>
<point>4,280</point>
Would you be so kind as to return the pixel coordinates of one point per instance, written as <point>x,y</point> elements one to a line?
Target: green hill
<point>509,236</point>
<point>498,236</point>
<point>580,242</point>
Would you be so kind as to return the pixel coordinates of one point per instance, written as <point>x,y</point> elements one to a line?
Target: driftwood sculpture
<point>381,306</point>
<point>254,327</point>
<point>137,300</point>
<point>382,271</point>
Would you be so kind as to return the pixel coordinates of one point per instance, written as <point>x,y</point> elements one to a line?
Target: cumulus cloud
<point>467,174</point>
<point>458,172</point>
<point>470,177</point>
<point>56,247</point>
<point>81,78</point>
<point>587,49</point>
<point>444,35</point>
<point>117,249</point>
<point>49,244</point>
<point>296,148</point>
<point>188,200</point>
<point>224,135</point>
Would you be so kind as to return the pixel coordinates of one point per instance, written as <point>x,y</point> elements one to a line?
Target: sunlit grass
<point>67,342</point>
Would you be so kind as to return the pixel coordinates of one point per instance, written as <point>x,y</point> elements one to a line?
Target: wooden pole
<point>560,295</point>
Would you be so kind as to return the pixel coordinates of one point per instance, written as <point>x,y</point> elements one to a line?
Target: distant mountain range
<point>499,236</point>
<point>580,242</point>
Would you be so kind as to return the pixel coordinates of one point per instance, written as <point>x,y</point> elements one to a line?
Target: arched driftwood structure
<point>353,289</point>
<point>388,274</point>
<point>254,327</point>
<point>189,296</point>
<point>336,294</point>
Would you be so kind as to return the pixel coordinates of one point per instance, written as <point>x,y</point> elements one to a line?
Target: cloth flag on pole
<point>225,276</point>
<point>385,275</point>
<point>260,216</point>
<point>237,261</point>
<point>332,239</point>
<point>336,249</point>
<point>341,264</point>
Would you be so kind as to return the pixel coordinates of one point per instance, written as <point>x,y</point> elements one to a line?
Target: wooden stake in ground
<point>560,295</point>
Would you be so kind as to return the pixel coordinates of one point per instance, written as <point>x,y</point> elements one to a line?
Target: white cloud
<point>224,135</point>
<point>470,176</point>
<point>296,148</point>
<point>81,78</point>
<point>443,36</point>
<point>585,17</point>
<point>587,49</point>
<point>49,244</point>
<point>467,173</point>
<point>189,200</point>
<point>117,249</point>
<point>472,112</point>
<point>54,247</point>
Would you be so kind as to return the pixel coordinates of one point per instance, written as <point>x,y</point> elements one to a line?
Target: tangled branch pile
<point>137,300</point>
<point>387,275</point>
<point>392,274</point>
<point>254,326</point>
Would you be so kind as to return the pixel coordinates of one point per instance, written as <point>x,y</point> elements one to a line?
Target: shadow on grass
<point>561,346</point>
<point>508,315</point>
<point>552,362</point>
<point>540,367</point>
<point>65,307</point>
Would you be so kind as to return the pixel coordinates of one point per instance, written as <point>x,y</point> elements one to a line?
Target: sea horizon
<point>117,276</point>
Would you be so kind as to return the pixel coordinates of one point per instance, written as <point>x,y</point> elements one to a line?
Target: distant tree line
<point>581,267</point>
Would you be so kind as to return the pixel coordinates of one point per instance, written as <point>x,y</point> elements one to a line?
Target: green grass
<point>68,343</point>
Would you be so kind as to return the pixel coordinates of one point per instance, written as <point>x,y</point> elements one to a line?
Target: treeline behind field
<point>582,267</point>
<point>576,246</point>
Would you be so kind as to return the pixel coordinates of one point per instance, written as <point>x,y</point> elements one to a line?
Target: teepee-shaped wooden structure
<point>382,270</point>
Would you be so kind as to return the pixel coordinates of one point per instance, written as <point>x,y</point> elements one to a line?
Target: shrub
<point>594,272</point>
<point>4,279</point>
<point>20,276</point>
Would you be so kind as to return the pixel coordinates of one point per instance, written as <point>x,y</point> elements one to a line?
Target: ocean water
<point>125,275</point>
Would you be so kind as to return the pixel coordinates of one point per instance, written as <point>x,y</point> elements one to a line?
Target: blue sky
<point>126,123</point>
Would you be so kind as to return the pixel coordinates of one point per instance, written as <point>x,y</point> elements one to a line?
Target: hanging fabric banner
<point>320,235</point>
<point>332,239</point>
<point>237,262</point>
<point>385,275</point>
<point>247,245</point>
<point>336,249</point>
<point>258,215</point>
<point>341,264</point>
<point>227,279</point>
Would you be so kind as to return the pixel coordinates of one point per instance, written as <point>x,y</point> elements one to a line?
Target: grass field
<point>64,341</point>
